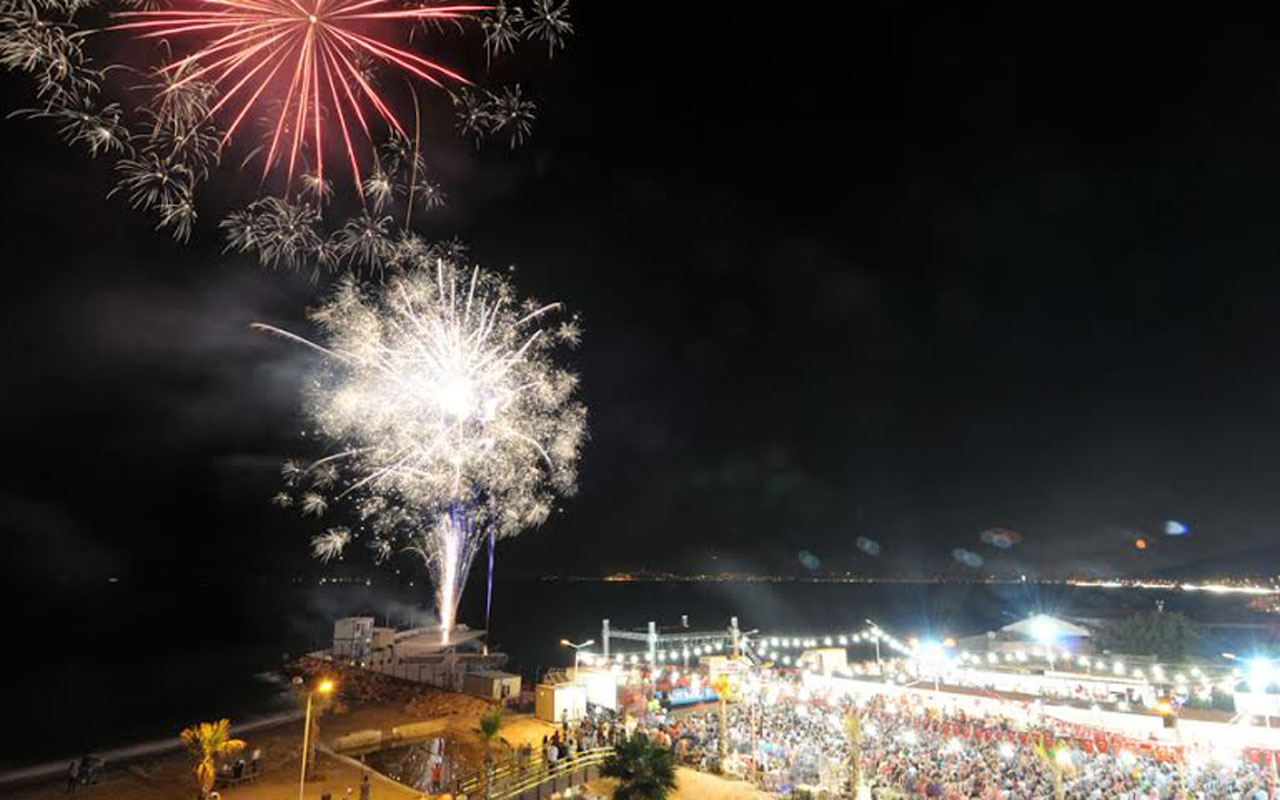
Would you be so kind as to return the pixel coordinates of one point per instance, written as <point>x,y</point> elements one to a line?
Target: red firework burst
<point>314,46</point>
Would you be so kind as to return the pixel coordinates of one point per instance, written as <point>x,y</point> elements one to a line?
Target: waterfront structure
<point>415,654</point>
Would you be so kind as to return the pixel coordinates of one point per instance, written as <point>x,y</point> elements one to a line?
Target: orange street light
<point>325,686</point>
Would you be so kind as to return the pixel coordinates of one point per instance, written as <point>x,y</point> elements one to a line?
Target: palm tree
<point>853,727</point>
<point>724,690</point>
<point>645,770</point>
<point>207,741</point>
<point>487,732</point>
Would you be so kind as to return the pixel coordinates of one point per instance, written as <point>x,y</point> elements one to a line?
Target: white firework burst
<point>549,21</point>
<point>452,418</point>
<point>379,187</point>
<point>314,504</point>
<point>280,232</point>
<point>502,30</point>
<point>511,115</point>
<point>329,545</point>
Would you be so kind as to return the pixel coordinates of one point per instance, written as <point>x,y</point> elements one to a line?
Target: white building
<point>352,638</point>
<point>561,702</point>
<point>416,654</point>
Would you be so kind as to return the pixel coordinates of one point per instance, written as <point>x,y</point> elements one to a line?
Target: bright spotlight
<point>1044,629</point>
<point>930,650</point>
<point>1261,674</point>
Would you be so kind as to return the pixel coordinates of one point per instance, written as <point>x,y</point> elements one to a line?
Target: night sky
<point>906,274</point>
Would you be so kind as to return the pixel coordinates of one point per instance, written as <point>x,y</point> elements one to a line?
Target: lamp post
<point>577,652</point>
<point>875,637</point>
<point>324,687</point>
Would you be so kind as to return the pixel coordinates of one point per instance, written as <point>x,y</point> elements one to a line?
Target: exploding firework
<point>316,50</point>
<point>452,419</point>
<point>313,69</point>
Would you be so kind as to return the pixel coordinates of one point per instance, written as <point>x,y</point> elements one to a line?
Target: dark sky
<point>908,274</point>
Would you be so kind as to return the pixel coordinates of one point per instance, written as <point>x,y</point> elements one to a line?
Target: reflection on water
<point>425,766</point>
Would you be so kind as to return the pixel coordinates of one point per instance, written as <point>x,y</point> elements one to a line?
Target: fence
<point>534,779</point>
<point>437,675</point>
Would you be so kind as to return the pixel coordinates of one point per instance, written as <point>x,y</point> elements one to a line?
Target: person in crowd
<point>73,775</point>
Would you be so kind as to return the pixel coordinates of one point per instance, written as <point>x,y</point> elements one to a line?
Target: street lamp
<point>325,687</point>
<point>577,652</point>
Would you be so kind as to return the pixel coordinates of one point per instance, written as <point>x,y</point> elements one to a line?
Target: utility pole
<point>853,726</point>
<point>875,637</point>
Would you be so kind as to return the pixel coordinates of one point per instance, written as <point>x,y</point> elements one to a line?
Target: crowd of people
<point>572,738</point>
<point>798,741</point>
<point>913,754</point>
<point>793,739</point>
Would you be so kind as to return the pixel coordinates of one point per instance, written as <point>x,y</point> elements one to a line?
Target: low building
<point>560,702</point>
<point>352,638</point>
<point>493,684</point>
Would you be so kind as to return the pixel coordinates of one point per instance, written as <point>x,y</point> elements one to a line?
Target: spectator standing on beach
<point>73,775</point>
<point>364,787</point>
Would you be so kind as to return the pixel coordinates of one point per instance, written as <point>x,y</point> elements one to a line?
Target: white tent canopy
<point>1042,627</point>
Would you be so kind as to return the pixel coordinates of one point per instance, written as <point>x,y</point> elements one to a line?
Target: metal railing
<point>512,779</point>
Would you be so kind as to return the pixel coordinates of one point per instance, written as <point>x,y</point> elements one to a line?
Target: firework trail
<point>451,419</point>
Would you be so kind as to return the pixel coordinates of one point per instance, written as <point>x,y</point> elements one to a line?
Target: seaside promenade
<point>160,770</point>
